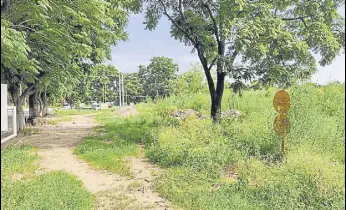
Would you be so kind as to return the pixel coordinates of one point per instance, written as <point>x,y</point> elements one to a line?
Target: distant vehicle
<point>95,106</point>
<point>66,106</point>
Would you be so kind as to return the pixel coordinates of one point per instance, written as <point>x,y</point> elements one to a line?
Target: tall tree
<point>104,82</point>
<point>134,88</point>
<point>274,40</point>
<point>157,75</point>
<point>60,37</point>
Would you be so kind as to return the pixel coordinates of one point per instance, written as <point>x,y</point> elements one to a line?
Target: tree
<point>58,37</point>
<point>104,82</point>
<point>133,87</point>
<point>190,82</point>
<point>156,76</point>
<point>273,39</point>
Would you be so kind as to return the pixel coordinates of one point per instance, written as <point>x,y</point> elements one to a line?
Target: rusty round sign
<point>282,125</point>
<point>281,102</point>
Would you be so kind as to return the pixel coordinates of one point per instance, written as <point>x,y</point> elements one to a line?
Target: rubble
<point>230,114</point>
<point>183,114</point>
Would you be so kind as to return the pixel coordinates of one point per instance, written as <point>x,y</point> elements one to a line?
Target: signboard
<point>282,125</point>
<point>281,102</point>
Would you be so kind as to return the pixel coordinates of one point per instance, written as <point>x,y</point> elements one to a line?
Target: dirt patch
<point>17,177</point>
<point>111,191</point>
<point>127,111</point>
<point>64,134</point>
<point>230,173</point>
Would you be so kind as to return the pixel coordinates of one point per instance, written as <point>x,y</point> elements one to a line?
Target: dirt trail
<point>112,191</point>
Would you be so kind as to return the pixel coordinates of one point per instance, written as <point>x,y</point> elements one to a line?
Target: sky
<point>142,45</point>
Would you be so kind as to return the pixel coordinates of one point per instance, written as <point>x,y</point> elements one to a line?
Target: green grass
<point>108,147</point>
<point>68,112</point>
<point>55,190</point>
<point>61,119</point>
<point>195,154</point>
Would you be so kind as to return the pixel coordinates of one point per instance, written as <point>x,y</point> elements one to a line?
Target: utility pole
<point>119,91</point>
<point>104,94</point>
<point>122,81</point>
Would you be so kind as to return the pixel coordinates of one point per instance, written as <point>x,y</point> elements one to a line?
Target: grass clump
<point>55,190</point>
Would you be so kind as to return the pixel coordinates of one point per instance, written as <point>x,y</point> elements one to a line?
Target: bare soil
<point>112,191</point>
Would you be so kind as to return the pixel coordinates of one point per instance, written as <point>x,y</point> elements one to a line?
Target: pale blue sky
<point>142,45</point>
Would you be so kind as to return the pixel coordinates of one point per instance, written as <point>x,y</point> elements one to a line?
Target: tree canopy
<point>156,76</point>
<point>272,41</point>
<point>48,43</point>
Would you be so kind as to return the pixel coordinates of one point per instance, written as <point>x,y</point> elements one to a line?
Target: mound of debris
<point>183,114</point>
<point>230,114</point>
<point>39,121</point>
<point>127,111</point>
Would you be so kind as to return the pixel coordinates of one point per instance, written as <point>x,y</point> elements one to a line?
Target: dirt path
<point>112,191</point>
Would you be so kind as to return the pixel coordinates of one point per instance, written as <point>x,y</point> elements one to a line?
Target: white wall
<point>4,119</point>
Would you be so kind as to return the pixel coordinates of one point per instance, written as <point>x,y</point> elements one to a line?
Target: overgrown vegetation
<point>236,164</point>
<point>57,189</point>
<point>69,112</point>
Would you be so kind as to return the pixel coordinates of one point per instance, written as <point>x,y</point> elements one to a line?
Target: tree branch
<point>181,9</point>
<point>28,91</point>
<point>234,55</point>
<point>216,32</point>
<point>212,63</point>
<point>295,18</point>
<point>298,18</point>
<point>176,24</point>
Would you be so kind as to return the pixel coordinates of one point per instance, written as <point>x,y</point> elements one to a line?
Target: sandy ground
<point>112,191</point>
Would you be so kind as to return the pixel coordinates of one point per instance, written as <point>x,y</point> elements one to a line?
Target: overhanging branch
<point>298,18</point>
<point>176,24</point>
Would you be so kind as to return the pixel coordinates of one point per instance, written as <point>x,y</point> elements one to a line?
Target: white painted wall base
<point>4,118</point>
<point>14,121</point>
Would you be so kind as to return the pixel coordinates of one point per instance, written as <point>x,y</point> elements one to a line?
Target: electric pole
<point>122,81</point>
<point>119,91</point>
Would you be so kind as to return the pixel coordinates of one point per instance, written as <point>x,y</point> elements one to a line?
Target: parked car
<point>66,106</point>
<point>96,106</point>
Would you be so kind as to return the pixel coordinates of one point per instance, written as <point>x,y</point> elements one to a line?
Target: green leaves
<point>51,40</point>
<point>157,75</point>
<point>14,51</point>
<point>275,35</point>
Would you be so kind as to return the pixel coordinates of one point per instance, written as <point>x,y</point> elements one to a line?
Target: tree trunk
<point>44,104</point>
<point>40,105</point>
<point>34,107</point>
<point>215,93</point>
<point>19,102</point>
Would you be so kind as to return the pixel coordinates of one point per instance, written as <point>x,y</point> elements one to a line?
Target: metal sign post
<point>281,125</point>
